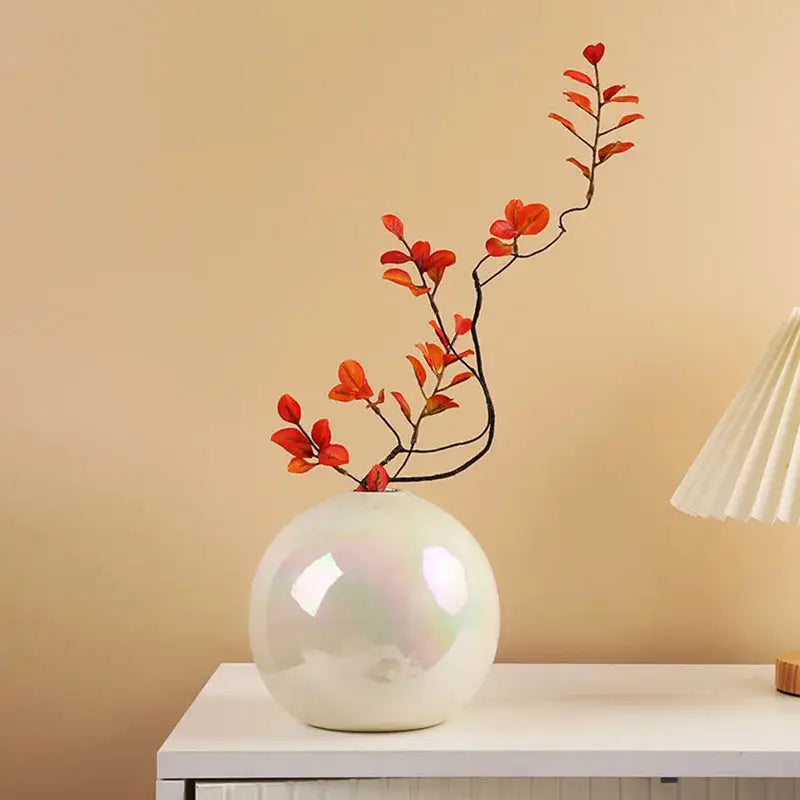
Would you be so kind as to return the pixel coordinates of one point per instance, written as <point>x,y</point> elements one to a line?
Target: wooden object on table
<point>787,673</point>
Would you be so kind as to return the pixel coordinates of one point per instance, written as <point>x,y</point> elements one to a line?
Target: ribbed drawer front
<point>507,789</point>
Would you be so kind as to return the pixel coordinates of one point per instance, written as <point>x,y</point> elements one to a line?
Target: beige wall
<point>190,211</point>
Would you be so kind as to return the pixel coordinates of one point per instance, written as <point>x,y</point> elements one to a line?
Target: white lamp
<point>750,466</point>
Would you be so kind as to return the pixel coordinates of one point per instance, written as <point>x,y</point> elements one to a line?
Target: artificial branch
<point>309,450</point>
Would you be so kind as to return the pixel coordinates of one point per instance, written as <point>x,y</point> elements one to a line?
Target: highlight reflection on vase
<point>374,612</point>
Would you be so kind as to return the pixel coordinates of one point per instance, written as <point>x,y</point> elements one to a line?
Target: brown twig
<point>479,284</point>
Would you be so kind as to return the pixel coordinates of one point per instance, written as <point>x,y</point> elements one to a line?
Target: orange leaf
<point>289,409</point>
<point>321,433</point>
<point>403,403</point>
<point>352,375</point>
<point>433,355</point>
<point>612,149</point>
<point>533,219</point>
<point>294,442</point>
<point>352,385</point>
<point>581,77</point>
<point>594,52</point>
<point>300,465</point>
<point>609,92</point>
<point>440,333</point>
<point>628,118</point>
<point>376,480</point>
<point>334,455</point>
<point>451,358</point>
<point>563,120</point>
<point>340,394</point>
<point>624,98</point>
<point>582,167</point>
<point>580,100</point>
<point>463,324</point>
<point>393,224</point>
<point>395,257</point>
<point>435,274</point>
<point>419,370</point>
<point>494,247</point>
<point>460,378</point>
<point>402,278</point>
<point>437,403</point>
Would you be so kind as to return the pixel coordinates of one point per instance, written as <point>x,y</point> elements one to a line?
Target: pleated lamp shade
<point>750,466</point>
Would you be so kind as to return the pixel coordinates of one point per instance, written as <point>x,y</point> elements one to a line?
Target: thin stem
<point>315,449</point>
<point>386,422</point>
<point>452,445</point>
<point>490,412</point>
<point>564,214</point>
<point>437,314</point>
<point>578,136</point>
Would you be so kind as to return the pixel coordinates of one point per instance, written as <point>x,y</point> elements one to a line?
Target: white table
<point>535,732</point>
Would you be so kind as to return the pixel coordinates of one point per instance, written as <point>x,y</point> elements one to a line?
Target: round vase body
<point>374,612</point>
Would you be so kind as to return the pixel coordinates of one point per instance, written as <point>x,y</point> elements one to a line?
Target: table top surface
<point>529,720</point>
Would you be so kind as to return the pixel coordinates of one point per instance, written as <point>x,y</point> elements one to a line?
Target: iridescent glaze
<point>374,611</point>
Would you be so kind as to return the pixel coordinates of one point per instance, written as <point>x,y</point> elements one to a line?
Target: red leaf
<point>437,403</point>
<point>440,333</point>
<point>433,355</point>
<point>511,210</point>
<point>439,259</point>
<point>563,120</point>
<point>419,370</point>
<point>402,278</point>
<point>403,403</point>
<point>300,465</point>
<point>612,149</point>
<point>376,480</point>
<point>460,378</point>
<point>494,247</point>
<point>580,100</point>
<point>610,91</point>
<point>395,257</point>
<point>624,98</point>
<point>419,252</point>
<point>532,219</point>
<point>289,409</point>
<point>334,455</point>
<point>393,224</point>
<point>593,53</point>
<point>581,77</point>
<point>381,398</point>
<point>582,167</point>
<point>321,433</point>
<point>628,118</point>
<point>463,324</point>
<point>294,442</point>
<point>503,229</point>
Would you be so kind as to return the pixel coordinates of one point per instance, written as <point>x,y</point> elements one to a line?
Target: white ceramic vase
<point>374,612</point>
